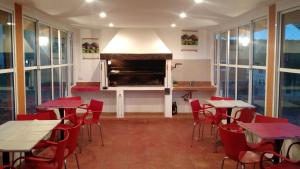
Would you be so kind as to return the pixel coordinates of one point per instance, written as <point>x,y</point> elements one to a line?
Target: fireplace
<point>135,69</point>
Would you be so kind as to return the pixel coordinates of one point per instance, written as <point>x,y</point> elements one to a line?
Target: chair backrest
<point>220,111</point>
<point>45,114</point>
<point>234,142</point>
<point>196,107</point>
<point>26,116</point>
<point>71,111</point>
<point>266,119</point>
<point>246,115</point>
<point>96,107</point>
<point>70,98</point>
<point>73,137</point>
<point>59,155</point>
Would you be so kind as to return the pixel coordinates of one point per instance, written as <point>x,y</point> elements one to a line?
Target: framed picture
<point>90,48</point>
<point>189,40</point>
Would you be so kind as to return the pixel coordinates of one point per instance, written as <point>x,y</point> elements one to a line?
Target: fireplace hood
<point>136,41</point>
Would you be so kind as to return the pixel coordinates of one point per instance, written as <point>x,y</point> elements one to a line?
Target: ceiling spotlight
<point>89,1</point>
<point>173,25</point>
<point>198,1</point>
<point>182,15</point>
<point>111,25</point>
<point>102,14</point>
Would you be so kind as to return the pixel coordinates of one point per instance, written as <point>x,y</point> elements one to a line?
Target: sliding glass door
<point>7,97</point>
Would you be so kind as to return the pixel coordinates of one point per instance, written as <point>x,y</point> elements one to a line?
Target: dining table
<point>229,105</point>
<point>22,136</point>
<point>273,131</point>
<point>61,105</point>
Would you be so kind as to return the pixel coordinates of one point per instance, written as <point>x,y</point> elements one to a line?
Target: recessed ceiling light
<point>102,14</point>
<point>89,1</point>
<point>10,23</point>
<point>111,25</point>
<point>173,25</point>
<point>182,15</point>
<point>198,1</point>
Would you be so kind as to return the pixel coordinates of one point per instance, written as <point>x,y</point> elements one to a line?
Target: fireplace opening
<point>133,72</point>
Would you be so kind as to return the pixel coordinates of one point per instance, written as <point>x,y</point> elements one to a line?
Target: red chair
<point>245,115</point>
<point>265,119</point>
<point>7,167</point>
<point>55,162</point>
<point>198,109</point>
<point>37,116</point>
<point>71,111</point>
<point>286,162</point>
<point>236,148</point>
<point>71,146</point>
<point>92,116</point>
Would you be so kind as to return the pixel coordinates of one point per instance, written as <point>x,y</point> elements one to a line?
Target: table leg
<point>62,115</point>
<point>277,148</point>
<point>229,111</point>
<point>5,158</point>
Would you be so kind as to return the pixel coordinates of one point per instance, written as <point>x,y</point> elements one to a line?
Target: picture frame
<point>189,40</point>
<point>90,48</point>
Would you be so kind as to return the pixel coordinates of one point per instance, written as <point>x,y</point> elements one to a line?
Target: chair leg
<point>81,139</point>
<point>223,161</point>
<point>202,131</point>
<point>90,138</point>
<point>100,130</point>
<point>199,132</point>
<point>65,164</point>
<point>237,165</point>
<point>193,134</point>
<point>77,160</point>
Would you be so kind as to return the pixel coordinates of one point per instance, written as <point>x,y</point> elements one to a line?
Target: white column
<point>168,84</point>
<point>120,103</point>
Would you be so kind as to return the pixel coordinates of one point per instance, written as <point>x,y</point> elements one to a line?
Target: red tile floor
<point>148,143</point>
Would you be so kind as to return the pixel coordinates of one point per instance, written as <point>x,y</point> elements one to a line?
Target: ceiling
<point>143,13</point>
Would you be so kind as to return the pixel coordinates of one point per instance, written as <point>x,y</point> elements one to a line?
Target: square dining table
<point>273,131</point>
<point>61,105</point>
<point>229,104</point>
<point>22,136</point>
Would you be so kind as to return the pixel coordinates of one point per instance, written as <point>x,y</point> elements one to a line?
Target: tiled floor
<point>148,143</point>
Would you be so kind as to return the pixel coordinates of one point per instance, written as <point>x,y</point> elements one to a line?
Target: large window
<point>240,68</point>
<point>289,82</point>
<point>7,107</point>
<point>260,36</point>
<point>47,65</point>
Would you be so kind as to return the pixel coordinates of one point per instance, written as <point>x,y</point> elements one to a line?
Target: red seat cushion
<point>249,157</point>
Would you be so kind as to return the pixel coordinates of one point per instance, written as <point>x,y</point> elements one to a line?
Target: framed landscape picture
<point>189,40</point>
<point>90,48</point>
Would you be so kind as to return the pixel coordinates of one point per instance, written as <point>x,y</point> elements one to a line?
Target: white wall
<point>196,67</point>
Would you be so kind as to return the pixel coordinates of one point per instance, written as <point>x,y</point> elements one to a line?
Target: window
<point>7,97</point>
<point>46,84</point>
<point>243,69</point>
<point>289,81</point>
<point>260,36</point>
<point>244,41</point>
<point>46,71</point>
<point>223,50</point>
<point>232,46</point>
<point>29,27</point>
<point>31,90</point>
<point>231,82</point>
<point>55,46</point>
<point>242,84</point>
<point>44,44</point>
